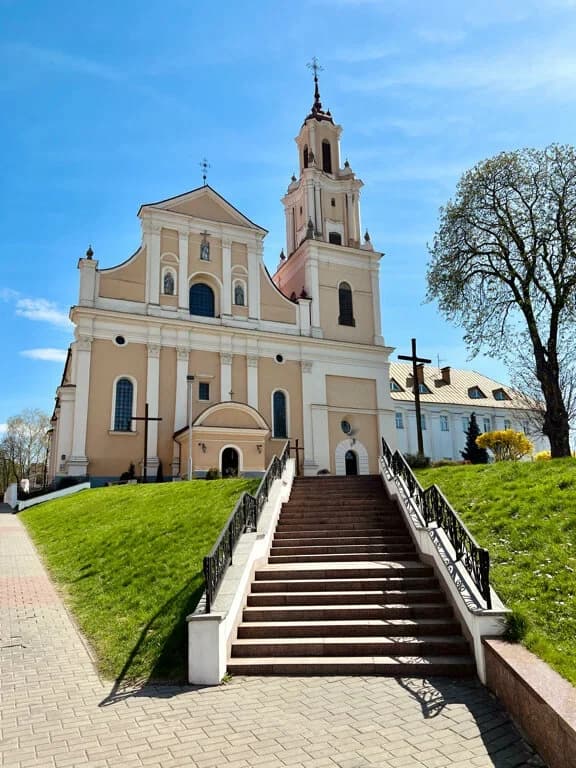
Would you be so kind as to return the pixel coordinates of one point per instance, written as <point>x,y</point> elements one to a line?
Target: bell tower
<point>326,257</point>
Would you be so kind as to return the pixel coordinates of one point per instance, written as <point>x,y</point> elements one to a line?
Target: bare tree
<point>25,444</point>
<point>504,264</point>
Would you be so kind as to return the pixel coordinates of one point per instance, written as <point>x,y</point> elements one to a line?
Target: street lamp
<point>189,381</point>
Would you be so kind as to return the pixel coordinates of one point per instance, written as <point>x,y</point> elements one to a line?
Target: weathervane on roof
<point>204,165</point>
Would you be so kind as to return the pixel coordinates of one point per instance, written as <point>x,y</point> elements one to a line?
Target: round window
<point>346,427</point>
<point>120,340</point>
<point>279,358</point>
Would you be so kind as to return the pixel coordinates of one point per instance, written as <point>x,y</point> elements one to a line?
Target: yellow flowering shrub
<point>505,444</point>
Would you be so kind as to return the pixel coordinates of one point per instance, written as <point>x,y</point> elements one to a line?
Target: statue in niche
<point>205,248</point>
<point>168,283</point>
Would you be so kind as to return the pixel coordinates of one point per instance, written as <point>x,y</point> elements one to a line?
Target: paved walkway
<point>56,712</point>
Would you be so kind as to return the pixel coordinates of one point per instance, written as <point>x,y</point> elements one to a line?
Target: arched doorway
<point>230,462</point>
<point>351,462</point>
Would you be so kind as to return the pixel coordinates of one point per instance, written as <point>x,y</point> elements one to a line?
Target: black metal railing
<point>244,517</point>
<point>435,508</point>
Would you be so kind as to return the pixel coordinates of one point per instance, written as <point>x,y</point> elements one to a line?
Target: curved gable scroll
<point>232,415</point>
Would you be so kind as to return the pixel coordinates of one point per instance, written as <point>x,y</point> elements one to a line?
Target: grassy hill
<point>525,515</point>
<point>128,560</point>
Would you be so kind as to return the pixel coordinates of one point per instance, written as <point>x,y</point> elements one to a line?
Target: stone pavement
<point>55,712</point>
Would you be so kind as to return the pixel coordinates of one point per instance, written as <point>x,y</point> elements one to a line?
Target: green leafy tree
<point>473,452</point>
<point>503,265</point>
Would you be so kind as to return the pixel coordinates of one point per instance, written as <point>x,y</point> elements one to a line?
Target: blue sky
<point>106,106</point>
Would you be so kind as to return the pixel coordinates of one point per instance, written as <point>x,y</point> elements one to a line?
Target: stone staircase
<point>345,592</point>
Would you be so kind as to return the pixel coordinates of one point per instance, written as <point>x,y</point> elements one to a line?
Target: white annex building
<point>230,362</point>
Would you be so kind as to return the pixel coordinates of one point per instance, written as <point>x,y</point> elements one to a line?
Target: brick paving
<point>55,712</point>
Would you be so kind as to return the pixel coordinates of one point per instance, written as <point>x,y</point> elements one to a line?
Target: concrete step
<point>344,585</point>
<point>422,645</point>
<point>328,541</point>
<point>400,666</point>
<point>339,612</point>
<point>383,556</point>
<point>362,570</point>
<point>344,549</point>
<point>345,597</point>
<point>326,533</point>
<point>350,628</point>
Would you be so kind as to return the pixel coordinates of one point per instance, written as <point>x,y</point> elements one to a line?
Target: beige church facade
<point>230,361</point>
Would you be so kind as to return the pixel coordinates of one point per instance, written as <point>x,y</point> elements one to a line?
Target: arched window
<point>346,316</point>
<point>201,300</point>
<point>239,295</point>
<point>305,156</point>
<point>326,157</point>
<point>123,401</point>
<point>168,283</point>
<point>279,420</point>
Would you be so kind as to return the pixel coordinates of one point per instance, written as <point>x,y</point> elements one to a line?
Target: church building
<point>224,361</point>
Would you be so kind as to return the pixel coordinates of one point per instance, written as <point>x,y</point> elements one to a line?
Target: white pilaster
<point>153,264</point>
<point>180,409</point>
<point>290,245</point>
<point>254,255</point>
<point>310,463</point>
<point>318,223</point>
<point>375,285</point>
<point>88,269</point>
<point>227,277</point>
<point>313,286</point>
<point>78,462</point>
<point>225,376</point>
<point>152,398</point>
<point>183,270</point>
<point>252,380</point>
<point>63,447</point>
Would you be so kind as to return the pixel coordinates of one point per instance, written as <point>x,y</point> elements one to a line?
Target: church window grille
<point>399,417</point>
<point>280,422</point>
<point>305,158</point>
<point>326,157</point>
<point>203,390</point>
<point>346,316</point>
<point>168,283</point>
<point>239,294</point>
<point>444,424</point>
<point>335,238</point>
<point>201,300</point>
<point>123,405</point>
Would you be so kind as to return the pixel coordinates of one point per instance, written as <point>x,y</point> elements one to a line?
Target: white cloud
<point>47,354</point>
<point>3,428</point>
<point>547,70</point>
<point>43,310</point>
<point>7,294</point>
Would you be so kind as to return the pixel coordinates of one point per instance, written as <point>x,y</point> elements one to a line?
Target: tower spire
<point>317,111</point>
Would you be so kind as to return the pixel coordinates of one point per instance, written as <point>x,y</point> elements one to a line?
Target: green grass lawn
<point>128,560</point>
<point>525,515</point>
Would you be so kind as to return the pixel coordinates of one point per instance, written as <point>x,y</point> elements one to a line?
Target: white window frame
<point>134,402</point>
<point>288,422</point>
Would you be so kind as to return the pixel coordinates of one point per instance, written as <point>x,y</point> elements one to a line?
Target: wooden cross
<point>416,389</point>
<point>296,447</point>
<point>146,418</point>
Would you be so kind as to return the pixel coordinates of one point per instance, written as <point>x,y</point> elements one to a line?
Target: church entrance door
<point>351,463</point>
<point>230,462</point>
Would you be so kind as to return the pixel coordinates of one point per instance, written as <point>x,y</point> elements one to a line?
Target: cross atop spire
<point>317,111</point>
<point>204,165</point>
